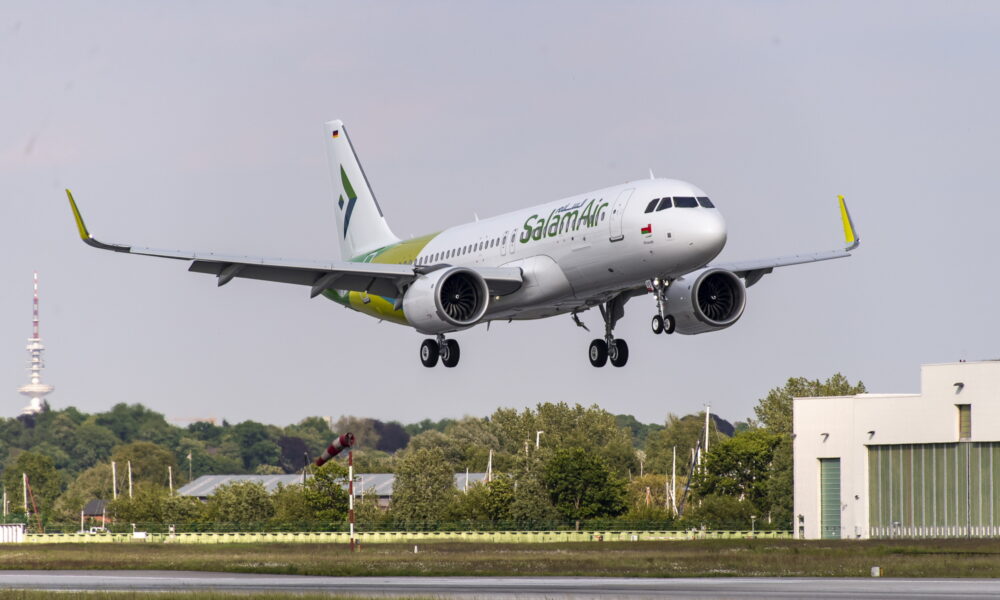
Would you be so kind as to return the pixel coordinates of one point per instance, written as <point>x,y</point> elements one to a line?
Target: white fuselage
<point>579,251</point>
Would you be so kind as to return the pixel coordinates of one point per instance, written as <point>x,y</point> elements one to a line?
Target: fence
<point>383,537</point>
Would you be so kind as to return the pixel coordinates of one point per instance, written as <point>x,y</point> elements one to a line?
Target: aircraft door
<point>617,213</point>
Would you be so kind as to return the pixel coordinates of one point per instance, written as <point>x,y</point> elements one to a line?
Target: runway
<point>503,587</point>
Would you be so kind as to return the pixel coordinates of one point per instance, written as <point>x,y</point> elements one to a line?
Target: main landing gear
<point>446,350</point>
<point>662,323</point>
<point>609,348</point>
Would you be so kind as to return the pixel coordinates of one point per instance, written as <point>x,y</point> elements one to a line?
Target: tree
<point>325,494</point>
<point>564,426</point>
<point>256,447</point>
<point>391,436</point>
<point>94,483</point>
<point>739,467</point>
<point>154,504</point>
<point>582,486</point>
<point>44,481</point>
<point>719,512</point>
<point>91,444</point>
<point>424,487</point>
<point>240,503</point>
<point>291,510</point>
<point>150,462</point>
<point>684,434</point>
<point>136,422</point>
<point>531,506</point>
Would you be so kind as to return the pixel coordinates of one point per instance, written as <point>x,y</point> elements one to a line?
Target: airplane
<point>597,249</point>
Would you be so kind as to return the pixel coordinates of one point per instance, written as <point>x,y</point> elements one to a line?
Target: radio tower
<point>36,390</point>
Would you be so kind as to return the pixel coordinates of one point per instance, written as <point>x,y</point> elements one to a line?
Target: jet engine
<point>446,300</point>
<point>706,300</point>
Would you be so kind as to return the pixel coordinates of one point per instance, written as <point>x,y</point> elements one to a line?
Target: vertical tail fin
<point>361,227</point>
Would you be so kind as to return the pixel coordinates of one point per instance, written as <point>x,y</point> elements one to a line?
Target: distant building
<point>902,465</point>
<point>379,483</point>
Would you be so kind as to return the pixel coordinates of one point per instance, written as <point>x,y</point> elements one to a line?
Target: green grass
<point>707,558</point>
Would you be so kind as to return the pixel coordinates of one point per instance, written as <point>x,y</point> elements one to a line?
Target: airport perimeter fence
<point>389,537</point>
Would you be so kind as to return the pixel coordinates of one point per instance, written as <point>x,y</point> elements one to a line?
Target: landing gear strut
<point>447,350</point>
<point>662,323</point>
<point>609,348</point>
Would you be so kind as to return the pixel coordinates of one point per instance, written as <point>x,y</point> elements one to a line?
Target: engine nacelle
<point>706,300</point>
<point>446,300</point>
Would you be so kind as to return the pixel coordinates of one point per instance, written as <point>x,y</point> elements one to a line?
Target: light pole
<point>753,521</point>
<point>538,438</point>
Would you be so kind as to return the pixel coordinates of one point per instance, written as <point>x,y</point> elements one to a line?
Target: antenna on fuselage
<point>651,174</point>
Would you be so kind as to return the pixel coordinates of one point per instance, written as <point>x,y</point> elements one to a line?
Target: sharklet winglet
<point>85,235</point>
<point>850,233</point>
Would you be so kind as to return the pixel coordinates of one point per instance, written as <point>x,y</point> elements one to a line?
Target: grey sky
<point>199,126</point>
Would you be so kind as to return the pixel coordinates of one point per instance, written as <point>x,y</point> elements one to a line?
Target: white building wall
<point>843,427</point>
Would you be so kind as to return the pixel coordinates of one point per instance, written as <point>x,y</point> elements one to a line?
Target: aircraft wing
<point>752,270</point>
<point>389,280</point>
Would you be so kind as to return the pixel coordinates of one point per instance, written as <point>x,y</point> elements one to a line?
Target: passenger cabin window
<point>685,202</point>
<point>705,202</point>
<point>665,203</point>
<point>652,205</point>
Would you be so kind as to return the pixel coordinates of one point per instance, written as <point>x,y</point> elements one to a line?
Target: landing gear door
<point>617,213</point>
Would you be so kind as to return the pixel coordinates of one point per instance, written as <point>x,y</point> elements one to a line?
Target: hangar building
<point>902,465</point>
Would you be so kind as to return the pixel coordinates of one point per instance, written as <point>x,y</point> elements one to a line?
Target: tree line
<point>586,468</point>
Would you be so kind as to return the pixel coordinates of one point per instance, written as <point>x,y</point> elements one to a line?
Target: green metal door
<point>829,498</point>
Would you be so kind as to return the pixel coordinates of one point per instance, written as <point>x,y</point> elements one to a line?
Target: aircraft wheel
<point>450,353</point>
<point>657,324</point>
<point>618,353</point>
<point>598,353</point>
<point>669,324</point>
<point>429,352</point>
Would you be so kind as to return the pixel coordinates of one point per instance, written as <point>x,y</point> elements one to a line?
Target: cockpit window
<point>685,202</point>
<point>705,202</point>
<point>665,203</point>
<point>652,205</point>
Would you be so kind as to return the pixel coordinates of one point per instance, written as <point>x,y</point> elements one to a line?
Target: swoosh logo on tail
<point>351,198</point>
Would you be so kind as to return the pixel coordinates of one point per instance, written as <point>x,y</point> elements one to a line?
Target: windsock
<point>338,445</point>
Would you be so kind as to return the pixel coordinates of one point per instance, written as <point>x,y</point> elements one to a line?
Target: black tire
<point>669,324</point>
<point>657,324</point>
<point>451,354</point>
<point>619,356</point>
<point>598,353</point>
<point>429,353</point>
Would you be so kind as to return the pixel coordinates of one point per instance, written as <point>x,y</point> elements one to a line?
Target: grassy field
<point>726,558</point>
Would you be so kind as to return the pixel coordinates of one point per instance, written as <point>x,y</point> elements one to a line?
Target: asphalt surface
<point>503,587</point>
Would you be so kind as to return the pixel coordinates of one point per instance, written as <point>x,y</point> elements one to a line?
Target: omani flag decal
<point>647,230</point>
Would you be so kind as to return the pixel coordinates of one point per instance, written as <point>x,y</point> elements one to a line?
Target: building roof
<point>380,483</point>
<point>95,508</point>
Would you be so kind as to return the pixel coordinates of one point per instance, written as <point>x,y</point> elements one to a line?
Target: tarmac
<point>503,587</point>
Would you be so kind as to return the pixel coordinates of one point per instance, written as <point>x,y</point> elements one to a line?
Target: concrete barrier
<point>383,537</point>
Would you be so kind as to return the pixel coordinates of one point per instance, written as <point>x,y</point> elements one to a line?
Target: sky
<point>198,126</point>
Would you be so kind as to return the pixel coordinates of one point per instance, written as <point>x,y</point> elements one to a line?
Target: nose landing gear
<point>440,348</point>
<point>609,348</point>
<point>662,323</point>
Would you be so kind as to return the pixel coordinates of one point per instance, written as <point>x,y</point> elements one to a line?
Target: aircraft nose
<point>710,237</point>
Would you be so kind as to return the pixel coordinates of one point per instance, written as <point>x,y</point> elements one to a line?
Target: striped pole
<point>350,490</point>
